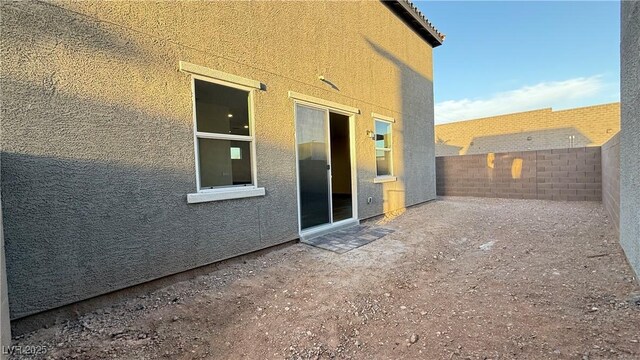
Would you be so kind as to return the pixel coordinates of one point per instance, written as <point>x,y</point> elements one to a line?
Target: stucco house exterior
<point>630,133</point>
<point>142,139</point>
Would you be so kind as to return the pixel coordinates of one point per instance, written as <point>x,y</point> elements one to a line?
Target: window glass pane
<point>311,130</point>
<point>312,134</point>
<point>221,109</point>
<point>383,134</point>
<point>383,162</point>
<point>218,165</point>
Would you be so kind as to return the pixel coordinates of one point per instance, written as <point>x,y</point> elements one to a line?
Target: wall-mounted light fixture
<point>328,82</point>
<point>371,134</point>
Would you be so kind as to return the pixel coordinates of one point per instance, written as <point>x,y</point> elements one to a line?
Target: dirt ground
<point>464,278</point>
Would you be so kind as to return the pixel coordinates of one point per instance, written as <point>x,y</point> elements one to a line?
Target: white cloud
<point>556,94</point>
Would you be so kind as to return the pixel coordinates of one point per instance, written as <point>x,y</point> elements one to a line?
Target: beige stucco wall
<point>531,130</point>
<point>97,130</point>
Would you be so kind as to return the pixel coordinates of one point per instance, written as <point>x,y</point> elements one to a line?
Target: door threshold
<point>320,230</point>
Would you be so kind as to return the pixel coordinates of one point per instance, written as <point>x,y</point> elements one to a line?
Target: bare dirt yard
<point>460,278</point>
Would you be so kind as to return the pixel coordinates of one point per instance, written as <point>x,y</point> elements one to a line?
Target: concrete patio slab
<point>348,239</point>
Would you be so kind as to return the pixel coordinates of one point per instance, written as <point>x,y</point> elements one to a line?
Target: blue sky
<point>509,56</point>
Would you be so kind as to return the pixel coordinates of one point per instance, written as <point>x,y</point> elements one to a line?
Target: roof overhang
<point>410,14</point>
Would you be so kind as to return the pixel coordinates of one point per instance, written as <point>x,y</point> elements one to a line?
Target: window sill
<point>384,179</point>
<point>226,194</point>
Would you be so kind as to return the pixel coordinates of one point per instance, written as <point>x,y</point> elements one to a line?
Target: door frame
<point>328,107</point>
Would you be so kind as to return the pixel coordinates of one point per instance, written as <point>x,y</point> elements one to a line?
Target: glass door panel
<point>313,166</point>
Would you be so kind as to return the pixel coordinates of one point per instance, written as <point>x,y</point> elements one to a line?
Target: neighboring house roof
<point>414,18</point>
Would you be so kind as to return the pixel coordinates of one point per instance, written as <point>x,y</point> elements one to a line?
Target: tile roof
<point>415,19</point>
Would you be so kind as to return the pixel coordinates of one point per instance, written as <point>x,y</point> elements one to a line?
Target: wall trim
<point>383,117</point>
<point>384,179</point>
<point>219,194</point>
<point>218,75</point>
<point>327,103</point>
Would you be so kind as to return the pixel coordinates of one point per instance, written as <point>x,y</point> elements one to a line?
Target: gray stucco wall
<point>5,329</point>
<point>630,133</point>
<point>97,139</point>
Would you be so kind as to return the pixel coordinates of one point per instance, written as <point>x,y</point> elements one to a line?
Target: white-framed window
<point>224,143</point>
<point>223,135</point>
<point>384,148</point>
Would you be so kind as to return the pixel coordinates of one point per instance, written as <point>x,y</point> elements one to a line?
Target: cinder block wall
<point>559,174</point>
<point>487,175</point>
<point>611,179</point>
<point>542,129</point>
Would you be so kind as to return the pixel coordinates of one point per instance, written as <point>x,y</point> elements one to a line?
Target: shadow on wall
<point>103,226</point>
<point>96,203</point>
<point>94,188</point>
<point>444,149</point>
<point>525,141</point>
<point>52,24</point>
<point>96,169</point>
<point>414,163</point>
